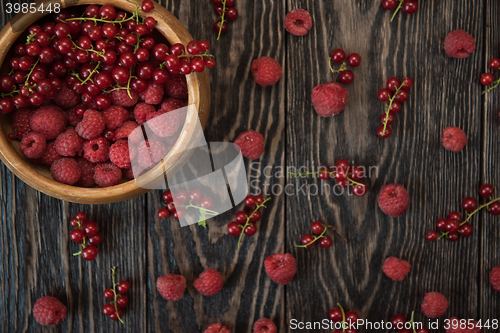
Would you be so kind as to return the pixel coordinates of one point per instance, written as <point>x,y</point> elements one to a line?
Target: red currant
<point>324,173</point>
<point>256,216</point>
<point>390,118</point>
<point>325,242</point>
<point>346,77</point>
<point>453,236</point>
<point>389,4</point>
<point>114,315</point>
<point>250,201</point>
<point>494,208</point>
<point>108,309</point>
<point>494,64</point>
<point>402,96</point>
<point>410,6</point>
<point>486,190</point>
<point>197,65</point>
<point>195,196</point>
<point>384,95</point>
<point>465,230</point>
<point>89,253</point>
<point>338,56</point>
<point>109,293</point>
<point>167,196</point>
<point>393,83</point>
<point>193,47</point>
<point>317,227</point>
<point>308,239</point>
<point>250,229</point>
<point>442,224</point>
<point>90,228</point>
<point>234,228</point>
<point>241,217</point>
<point>487,79</point>
<point>121,301</point>
<point>222,27</point>
<point>431,235</point>
<point>206,203</point>
<point>452,226</point>
<point>259,199</point>
<point>123,287</point>
<point>469,204</point>
<point>335,315</point>
<point>96,239</point>
<point>163,214</point>
<point>455,216</point>
<point>384,134</point>
<point>231,14</point>
<point>359,190</point>
<point>407,83</point>
<point>354,60</point>
<point>76,235</point>
<point>147,6</point>
<point>395,107</point>
<point>398,321</point>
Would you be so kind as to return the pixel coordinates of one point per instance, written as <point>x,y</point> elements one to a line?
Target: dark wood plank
<point>444,94</point>
<point>238,104</point>
<point>486,223</point>
<point>37,260</point>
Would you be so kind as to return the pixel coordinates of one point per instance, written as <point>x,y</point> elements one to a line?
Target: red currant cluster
<point>245,221</point>
<point>95,53</point>
<point>338,56</point>
<point>346,319</point>
<point>344,174</point>
<point>453,226</point>
<point>400,323</point>
<point>395,93</point>
<point>114,309</point>
<point>408,6</point>
<point>319,230</point>
<point>227,12</point>
<point>86,230</point>
<point>186,200</point>
<point>488,79</point>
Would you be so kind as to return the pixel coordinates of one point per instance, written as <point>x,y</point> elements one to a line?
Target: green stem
<point>342,68</point>
<point>391,100</point>
<point>496,84</point>
<point>315,238</point>
<point>343,316</point>
<point>397,9</point>
<point>113,273</point>
<point>222,18</point>
<point>469,216</point>
<point>248,220</point>
<point>91,73</point>
<point>100,20</point>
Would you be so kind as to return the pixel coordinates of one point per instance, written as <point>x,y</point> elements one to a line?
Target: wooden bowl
<point>39,176</point>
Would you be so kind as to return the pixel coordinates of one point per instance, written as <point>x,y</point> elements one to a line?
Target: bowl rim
<point>198,100</point>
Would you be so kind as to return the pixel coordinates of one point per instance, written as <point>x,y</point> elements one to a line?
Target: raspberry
<point>329,99</point>
<point>176,86</point>
<point>209,282</point>
<point>114,117</point>
<point>150,152</point>
<point>266,71</point>
<point>141,112</point>
<point>251,144</point>
<point>49,121</point>
<point>124,131</point>
<point>264,325</point>
<point>91,125</point>
<point>33,145</point>
<point>20,120</point>
<point>454,139</point>
<point>280,267</point>
<point>495,278</point>
<point>96,150</point>
<point>170,104</point>
<point>73,118</point>
<point>66,97</point>
<point>396,269</point>
<point>66,170</point>
<point>459,44</point>
<point>171,287</point>
<point>298,22</point>
<point>50,155</point>
<point>121,98</point>
<point>163,123</point>
<point>128,173</point>
<point>393,200</point>
<point>49,311</point>
<point>455,321</point>
<point>107,174</point>
<point>217,328</point>
<point>69,143</point>
<point>153,93</point>
<point>88,169</point>
<point>434,305</point>
<point>120,153</point>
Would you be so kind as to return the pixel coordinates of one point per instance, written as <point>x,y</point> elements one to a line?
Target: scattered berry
<point>266,71</point>
<point>459,44</point>
<point>171,287</point>
<point>454,139</point>
<point>393,200</point>
<point>298,22</point>
<point>280,268</point>
<point>329,99</point>
<point>264,325</point>
<point>396,269</point>
<point>251,144</point>
<point>209,282</point>
<point>49,311</point>
<point>434,305</point>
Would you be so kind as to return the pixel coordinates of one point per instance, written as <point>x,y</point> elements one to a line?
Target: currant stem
<point>397,9</point>
<point>315,238</point>
<point>83,241</point>
<point>100,20</point>
<point>249,217</point>
<point>332,174</point>
<point>342,68</point>
<point>391,100</point>
<point>222,18</point>
<point>113,273</point>
<point>343,316</point>
<point>91,73</point>
<point>497,83</point>
<point>469,215</point>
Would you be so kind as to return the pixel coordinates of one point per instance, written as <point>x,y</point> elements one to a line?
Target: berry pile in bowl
<point>76,85</point>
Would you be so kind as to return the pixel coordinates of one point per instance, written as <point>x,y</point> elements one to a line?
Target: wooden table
<point>36,253</point>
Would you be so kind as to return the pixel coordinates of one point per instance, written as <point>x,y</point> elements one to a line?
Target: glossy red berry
<point>317,227</point>
<point>384,134</point>
<point>95,239</point>
<point>121,301</point>
<point>250,229</point>
<point>393,83</point>
<point>123,287</point>
<point>346,77</point>
<point>217,26</point>
<point>108,309</point>
<point>76,235</point>
<point>353,60</point>
<point>90,228</point>
<point>114,315</point>
<point>395,107</point>
<point>402,96</point>
<point>167,196</point>
<point>234,228</point>
<point>256,216</point>
<point>494,64</point>
<point>335,315</point>
<point>195,196</point>
<point>407,83</point>
<point>465,230</point>
<point>494,208</point>
<point>452,226</point>
<point>163,214</point>
<point>431,235</point>
<point>390,118</point>
<point>455,216</point>
<point>389,4</point>
<point>241,217</point>
<point>109,293</point>
<point>351,317</point>
<point>171,207</point>
<point>193,47</point>
<point>384,94</point>
<point>259,199</point>
<point>324,173</point>
<point>338,56</point>
<point>325,242</point>
<point>441,224</point>
<point>206,203</point>
<point>452,236</point>
<point>147,6</point>
<point>308,239</point>
<point>486,190</point>
<point>398,321</point>
<point>469,204</point>
<point>250,201</point>
<point>89,253</point>
<point>410,6</point>
<point>231,14</point>
<point>360,189</point>
<point>487,79</point>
